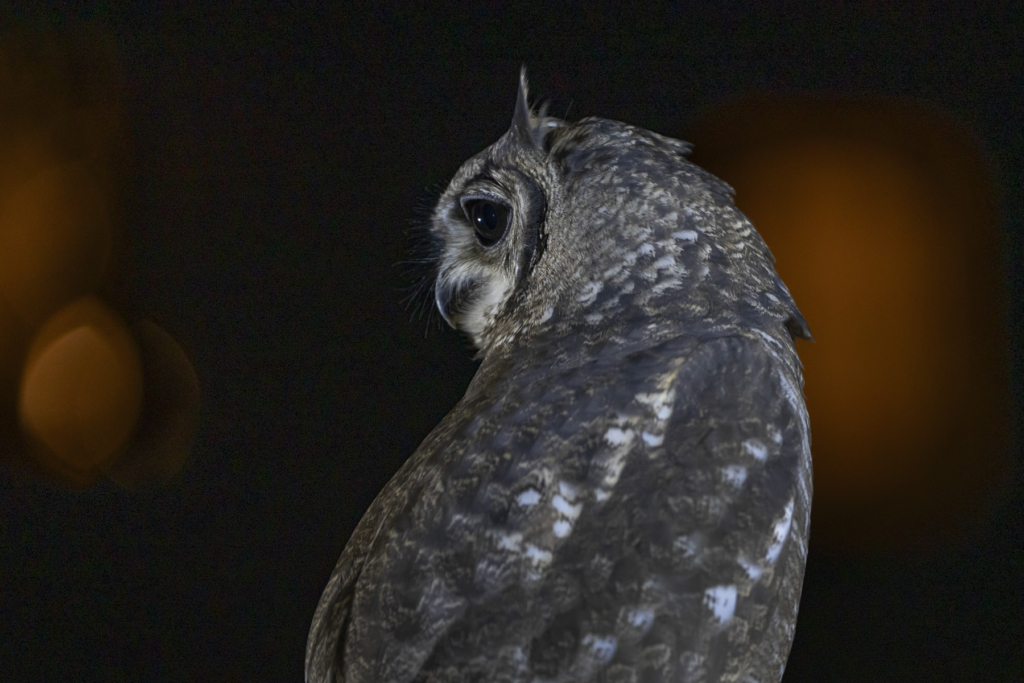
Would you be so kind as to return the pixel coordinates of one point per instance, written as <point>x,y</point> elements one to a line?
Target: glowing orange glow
<point>55,240</point>
<point>857,223</point>
<point>82,389</point>
<point>883,228</point>
<point>170,416</point>
<point>71,376</point>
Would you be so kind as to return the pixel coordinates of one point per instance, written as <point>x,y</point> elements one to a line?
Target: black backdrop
<point>277,157</point>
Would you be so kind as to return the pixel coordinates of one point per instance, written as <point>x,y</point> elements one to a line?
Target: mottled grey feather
<point>623,494</point>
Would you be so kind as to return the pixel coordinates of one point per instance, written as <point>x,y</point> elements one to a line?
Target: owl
<point>623,493</point>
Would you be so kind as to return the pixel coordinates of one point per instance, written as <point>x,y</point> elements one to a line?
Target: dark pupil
<point>490,221</point>
<point>486,218</point>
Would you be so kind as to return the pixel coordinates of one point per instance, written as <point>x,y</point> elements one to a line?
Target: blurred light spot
<point>72,405</point>
<point>82,389</point>
<point>55,240</point>
<point>881,217</point>
<point>169,417</point>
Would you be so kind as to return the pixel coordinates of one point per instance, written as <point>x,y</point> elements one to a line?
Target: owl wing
<point>330,621</point>
<point>641,513</point>
<point>706,535</point>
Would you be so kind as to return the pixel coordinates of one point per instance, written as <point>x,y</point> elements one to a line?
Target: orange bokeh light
<point>883,226</point>
<point>55,240</point>
<point>170,415</point>
<point>71,371</point>
<point>81,392</point>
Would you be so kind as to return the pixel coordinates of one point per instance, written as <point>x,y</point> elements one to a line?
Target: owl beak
<point>442,297</point>
<point>452,299</point>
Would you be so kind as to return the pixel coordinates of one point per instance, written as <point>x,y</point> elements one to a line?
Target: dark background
<point>276,159</point>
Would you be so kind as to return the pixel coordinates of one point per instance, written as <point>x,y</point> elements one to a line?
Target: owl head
<point>597,231</point>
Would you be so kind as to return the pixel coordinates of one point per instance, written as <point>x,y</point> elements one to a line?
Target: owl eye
<point>489,220</point>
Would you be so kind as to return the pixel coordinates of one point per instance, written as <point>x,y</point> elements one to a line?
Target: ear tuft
<point>530,129</point>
